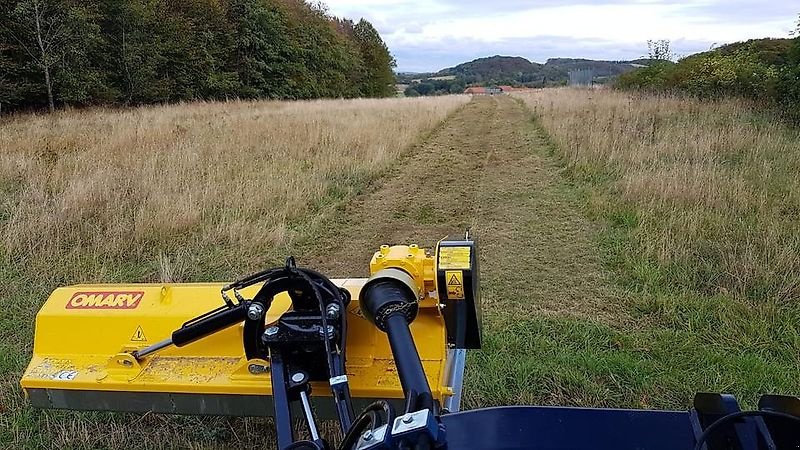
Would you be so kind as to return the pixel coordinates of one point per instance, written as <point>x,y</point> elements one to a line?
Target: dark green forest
<point>766,71</point>
<point>56,53</point>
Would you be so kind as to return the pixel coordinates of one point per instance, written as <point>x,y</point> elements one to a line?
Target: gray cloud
<point>403,23</point>
<point>447,53</point>
<point>746,11</point>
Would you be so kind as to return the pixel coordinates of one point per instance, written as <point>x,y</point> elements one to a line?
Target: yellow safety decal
<point>138,335</point>
<point>454,257</point>
<point>455,284</point>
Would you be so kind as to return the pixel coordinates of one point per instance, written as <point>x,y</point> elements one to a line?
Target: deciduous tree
<point>378,61</point>
<point>49,32</point>
<point>151,51</point>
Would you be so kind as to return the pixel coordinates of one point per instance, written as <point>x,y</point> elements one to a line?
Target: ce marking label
<point>65,375</point>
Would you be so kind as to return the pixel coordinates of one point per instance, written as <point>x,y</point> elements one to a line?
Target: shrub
<point>765,70</point>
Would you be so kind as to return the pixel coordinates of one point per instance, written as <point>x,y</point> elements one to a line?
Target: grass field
<point>700,210</point>
<point>635,250</point>
<point>186,192</point>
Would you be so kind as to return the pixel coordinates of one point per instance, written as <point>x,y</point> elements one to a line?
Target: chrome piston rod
<point>139,354</point>
<point>312,426</point>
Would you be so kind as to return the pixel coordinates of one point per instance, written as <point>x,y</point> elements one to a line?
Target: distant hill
<point>518,70</point>
<point>601,69</point>
<point>493,67</point>
<point>509,70</point>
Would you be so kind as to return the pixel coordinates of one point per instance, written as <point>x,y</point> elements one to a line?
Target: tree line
<point>133,52</point>
<point>764,70</point>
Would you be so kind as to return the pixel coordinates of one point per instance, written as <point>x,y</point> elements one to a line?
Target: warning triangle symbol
<point>138,335</point>
<point>454,281</point>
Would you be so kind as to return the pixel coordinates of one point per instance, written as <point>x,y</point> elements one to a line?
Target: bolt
<point>257,369</point>
<point>271,331</point>
<point>332,311</point>
<point>408,419</point>
<point>255,311</point>
<point>298,377</point>
<point>368,435</point>
<point>329,333</point>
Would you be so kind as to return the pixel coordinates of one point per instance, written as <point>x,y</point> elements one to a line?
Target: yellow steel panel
<point>81,341</point>
<point>413,260</point>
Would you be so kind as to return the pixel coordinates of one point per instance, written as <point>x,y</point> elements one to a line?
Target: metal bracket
<point>454,374</point>
<point>122,365</point>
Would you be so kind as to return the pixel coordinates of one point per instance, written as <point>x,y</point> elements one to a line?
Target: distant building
<point>505,89</point>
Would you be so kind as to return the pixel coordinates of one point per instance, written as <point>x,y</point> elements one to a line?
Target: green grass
<point>680,337</point>
<point>585,363</point>
<point>575,312</point>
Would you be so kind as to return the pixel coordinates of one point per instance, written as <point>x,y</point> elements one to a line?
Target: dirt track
<point>483,169</point>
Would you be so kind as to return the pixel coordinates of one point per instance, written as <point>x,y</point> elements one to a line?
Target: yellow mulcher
<point>390,347</point>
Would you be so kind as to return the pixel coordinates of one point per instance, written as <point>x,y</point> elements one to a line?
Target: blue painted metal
<point>747,433</point>
<point>708,408</point>
<point>283,410</point>
<point>783,434</point>
<point>556,428</point>
<point>560,428</point>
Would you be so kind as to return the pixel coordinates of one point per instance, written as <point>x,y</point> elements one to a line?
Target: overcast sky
<point>431,35</point>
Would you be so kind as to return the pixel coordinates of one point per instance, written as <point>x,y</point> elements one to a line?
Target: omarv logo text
<point>105,300</point>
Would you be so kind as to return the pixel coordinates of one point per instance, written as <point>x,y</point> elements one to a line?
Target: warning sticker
<point>455,284</point>
<point>454,257</point>
<point>138,335</point>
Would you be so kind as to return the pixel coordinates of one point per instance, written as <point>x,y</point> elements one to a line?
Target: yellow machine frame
<point>85,336</point>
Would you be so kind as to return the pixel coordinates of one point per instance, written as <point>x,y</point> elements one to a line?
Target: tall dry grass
<point>105,185</point>
<point>182,192</point>
<point>710,191</point>
<point>700,206</point>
